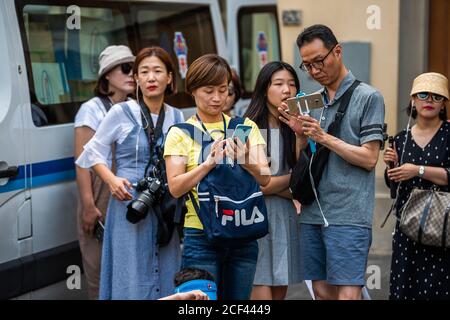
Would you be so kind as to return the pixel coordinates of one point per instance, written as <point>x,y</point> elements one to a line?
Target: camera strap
<point>153,133</point>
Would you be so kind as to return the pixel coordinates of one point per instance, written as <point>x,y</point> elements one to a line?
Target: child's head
<point>196,279</point>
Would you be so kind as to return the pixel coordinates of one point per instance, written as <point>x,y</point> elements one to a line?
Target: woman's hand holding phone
<point>216,154</point>
<point>237,145</point>
<point>236,150</point>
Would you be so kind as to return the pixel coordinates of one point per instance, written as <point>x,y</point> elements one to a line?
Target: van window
<point>63,51</point>
<point>62,58</point>
<point>158,24</point>
<point>259,42</point>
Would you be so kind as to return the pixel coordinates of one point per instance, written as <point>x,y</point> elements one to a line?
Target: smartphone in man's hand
<point>304,104</point>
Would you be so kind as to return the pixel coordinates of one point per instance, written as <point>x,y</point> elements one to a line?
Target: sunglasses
<point>425,95</point>
<point>126,68</point>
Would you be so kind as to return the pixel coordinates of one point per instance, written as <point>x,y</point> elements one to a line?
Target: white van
<point>48,67</point>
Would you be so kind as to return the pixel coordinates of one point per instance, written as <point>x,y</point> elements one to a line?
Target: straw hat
<point>113,56</point>
<point>431,82</point>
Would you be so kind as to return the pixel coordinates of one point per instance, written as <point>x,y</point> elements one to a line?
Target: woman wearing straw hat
<point>115,82</point>
<point>421,158</point>
<point>134,266</point>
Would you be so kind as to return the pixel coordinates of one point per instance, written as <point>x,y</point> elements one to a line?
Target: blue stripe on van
<point>52,178</point>
<point>13,185</point>
<point>21,174</point>
<point>43,173</point>
<point>45,168</point>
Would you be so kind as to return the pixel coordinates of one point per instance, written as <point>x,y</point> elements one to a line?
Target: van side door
<point>59,48</point>
<point>15,204</point>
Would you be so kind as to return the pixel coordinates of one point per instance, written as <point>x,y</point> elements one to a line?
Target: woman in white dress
<point>115,83</point>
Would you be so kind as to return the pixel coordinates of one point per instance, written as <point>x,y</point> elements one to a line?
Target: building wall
<point>348,19</point>
<point>414,19</point>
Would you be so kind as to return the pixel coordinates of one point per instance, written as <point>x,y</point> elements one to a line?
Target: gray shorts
<point>337,254</point>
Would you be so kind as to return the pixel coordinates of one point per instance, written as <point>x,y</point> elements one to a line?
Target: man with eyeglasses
<point>336,235</point>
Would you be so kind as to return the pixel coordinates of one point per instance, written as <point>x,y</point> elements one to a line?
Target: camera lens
<point>138,208</point>
<point>150,192</point>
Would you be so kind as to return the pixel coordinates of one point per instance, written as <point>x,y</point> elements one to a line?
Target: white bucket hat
<point>431,82</point>
<point>113,56</point>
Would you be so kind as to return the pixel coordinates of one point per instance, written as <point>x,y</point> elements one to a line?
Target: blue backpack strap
<point>202,138</point>
<point>234,122</point>
<point>192,131</point>
<point>194,203</point>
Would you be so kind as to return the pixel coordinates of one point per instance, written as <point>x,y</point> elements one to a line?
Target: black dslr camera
<point>150,192</point>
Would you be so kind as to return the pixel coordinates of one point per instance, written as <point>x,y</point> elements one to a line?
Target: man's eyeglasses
<point>126,68</point>
<point>425,95</point>
<point>318,65</point>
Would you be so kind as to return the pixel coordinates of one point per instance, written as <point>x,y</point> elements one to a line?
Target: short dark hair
<point>317,31</point>
<point>189,274</point>
<point>101,87</point>
<point>208,70</point>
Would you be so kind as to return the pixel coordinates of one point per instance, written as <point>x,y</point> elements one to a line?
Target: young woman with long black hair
<point>277,265</point>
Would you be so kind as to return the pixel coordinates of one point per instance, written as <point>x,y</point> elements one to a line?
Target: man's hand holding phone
<point>295,113</point>
<point>303,103</point>
<point>292,120</point>
<point>312,129</point>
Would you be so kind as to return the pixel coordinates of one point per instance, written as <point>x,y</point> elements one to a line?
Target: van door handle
<point>11,172</point>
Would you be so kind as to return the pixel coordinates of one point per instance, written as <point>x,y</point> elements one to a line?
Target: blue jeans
<point>233,267</point>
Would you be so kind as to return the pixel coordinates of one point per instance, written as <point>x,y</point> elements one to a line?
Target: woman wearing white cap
<point>422,159</point>
<point>136,262</point>
<point>115,82</point>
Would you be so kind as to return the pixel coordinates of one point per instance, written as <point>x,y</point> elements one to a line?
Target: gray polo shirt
<point>347,192</point>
